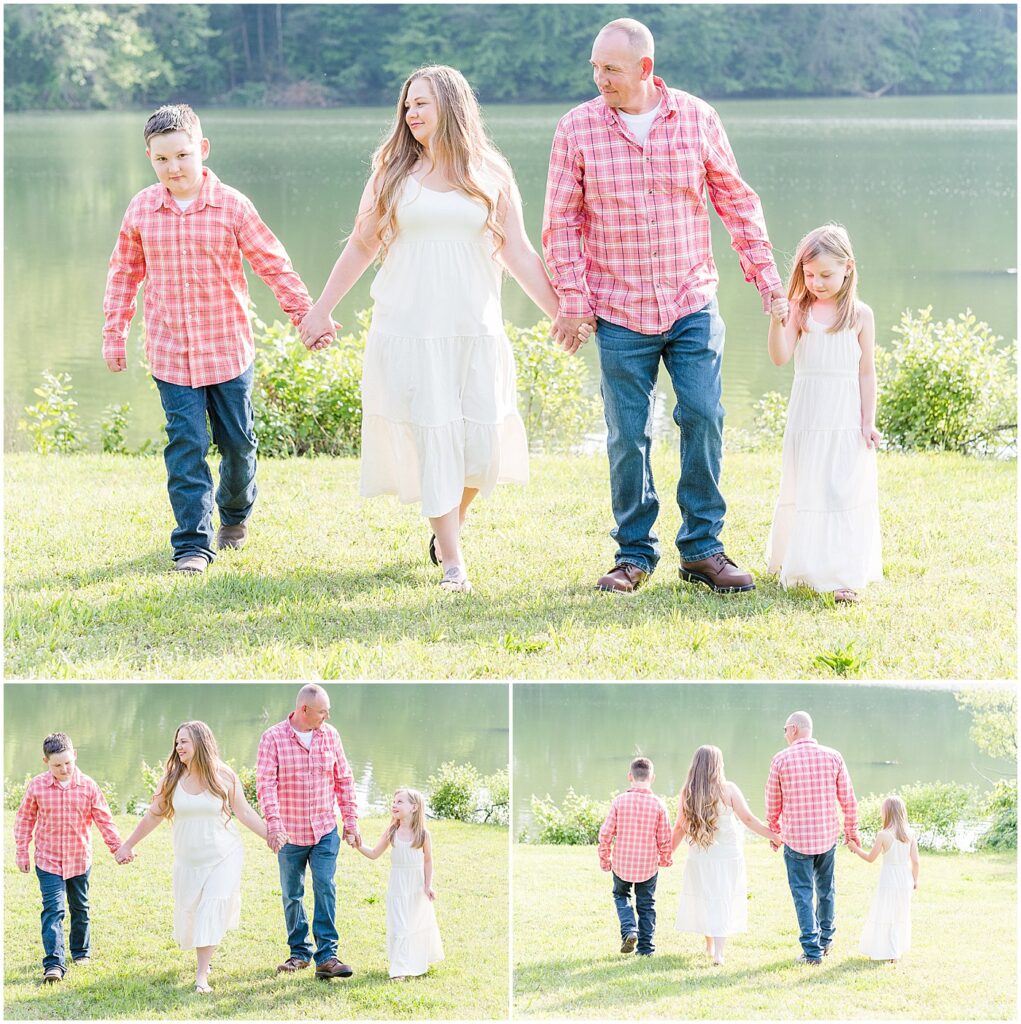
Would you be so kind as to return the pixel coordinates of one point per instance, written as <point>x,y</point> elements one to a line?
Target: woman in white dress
<point>197,794</point>
<point>442,215</point>
<point>412,935</point>
<point>887,933</point>
<point>714,893</point>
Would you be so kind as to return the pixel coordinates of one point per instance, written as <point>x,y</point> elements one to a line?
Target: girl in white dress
<point>197,794</point>
<point>714,893</point>
<point>412,935</point>
<point>442,215</point>
<point>887,934</point>
<point>826,524</point>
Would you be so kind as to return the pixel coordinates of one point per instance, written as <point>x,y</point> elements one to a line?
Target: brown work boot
<point>191,564</point>
<point>624,578</point>
<point>717,572</point>
<point>292,965</point>
<point>52,975</point>
<point>235,536</point>
<point>332,968</point>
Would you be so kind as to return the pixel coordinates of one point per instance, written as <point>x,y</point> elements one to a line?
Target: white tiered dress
<point>439,394</point>
<point>714,893</point>
<point>207,870</point>
<point>887,933</point>
<point>412,935</point>
<point>825,531</point>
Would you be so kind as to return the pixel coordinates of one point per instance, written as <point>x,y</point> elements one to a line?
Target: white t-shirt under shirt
<point>639,124</point>
<point>305,738</point>
<point>182,204</point>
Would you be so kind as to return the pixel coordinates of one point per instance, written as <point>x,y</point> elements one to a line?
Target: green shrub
<point>14,791</point>
<point>947,386</point>
<point>553,397</point>
<point>109,790</point>
<point>151,775</point>
<point>1001,803</point>
<point>113,429</point>
<point>575,823</point>
<point>454,791</point>
<point>496,802</point>
<point>935,810</point>
<point>52,422</point>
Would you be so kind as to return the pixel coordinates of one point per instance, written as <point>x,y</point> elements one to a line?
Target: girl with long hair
<point>714,893</point>
<point>200,796</point>
<point>825,531</point>
<point>412,936</point>
<point>441,214</point>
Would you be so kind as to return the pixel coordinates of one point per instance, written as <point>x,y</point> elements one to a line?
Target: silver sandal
<point>455,581</point>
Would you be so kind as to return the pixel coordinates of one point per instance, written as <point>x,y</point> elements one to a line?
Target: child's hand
<point>871,435</point>
<point>24,867</point>
<point>853,846</point>
<point>429,894</point>
<point>779,309</point>
<point>116,363</point>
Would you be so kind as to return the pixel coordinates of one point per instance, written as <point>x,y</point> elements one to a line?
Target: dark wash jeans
<point>321,859</point>
<point>645,905</point>
<point>228,407</point>
<point>811,874</point>
<point>692,351</point>
<point>55,892</point>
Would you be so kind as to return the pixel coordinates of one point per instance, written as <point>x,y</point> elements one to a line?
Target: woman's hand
<point>316,329</point>
<point>125,854</point>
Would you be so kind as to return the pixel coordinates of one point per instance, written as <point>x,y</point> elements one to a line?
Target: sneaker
<point>292,965</point>
<point>629,943</point>
<point>803,959</point>
<point>235,536</point>
<point>191,564</point>
<point>52,975</point>
<point>332,968</point>
<point>719,573</point>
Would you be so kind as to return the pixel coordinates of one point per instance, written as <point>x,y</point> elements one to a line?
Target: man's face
<point>61,766</point>
<point>316,711</point>
<point>619,75</point>
<point>790,732</point>
<point>177,157</point>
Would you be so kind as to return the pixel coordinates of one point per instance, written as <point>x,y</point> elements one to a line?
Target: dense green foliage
<point>574,822</point>
<point>64,56</point>
<point>459,792</point>
<point>994,721</point>
<point>935,810</point>
<point>1002,806</point>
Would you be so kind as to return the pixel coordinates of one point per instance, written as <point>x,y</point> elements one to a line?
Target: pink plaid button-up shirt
<point>626,227</point>
<point>61,819</point>
<point>197,331</point>
<point>638,830</point>
<point>299,789</point>
<point>806,783</point>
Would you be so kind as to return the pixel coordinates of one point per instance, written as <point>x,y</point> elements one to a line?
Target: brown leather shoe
<point>194,564</point>
<point>232,536</point>
<point>717,572</point>
<point>333,968</point>
<point>622,579</point>
<point>291,965</point>
<point>52,975</point>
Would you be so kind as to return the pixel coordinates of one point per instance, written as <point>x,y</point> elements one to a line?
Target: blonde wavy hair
<point>460,145</point>
<point>895,817</point>
<point>417,818</point>
<point>703,794</point>
<point>830,240</point>
<point>205,763</point>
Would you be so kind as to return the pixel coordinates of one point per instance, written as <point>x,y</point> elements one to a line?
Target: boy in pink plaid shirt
<point>634,843</point>
<point>59,806</point>
<point>183,238</point>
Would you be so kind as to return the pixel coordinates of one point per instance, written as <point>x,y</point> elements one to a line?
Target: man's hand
<point>317,329</point>
<point>116,363</point>
<point>276,841</point>
<point>568,332</point>
<point>353,839</point>
<point>124,854</point>
<point>778,302</point>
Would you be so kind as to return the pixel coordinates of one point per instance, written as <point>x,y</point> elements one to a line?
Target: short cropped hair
<point>641,769</point>
<point>56,743</point>
<point>174,117</point>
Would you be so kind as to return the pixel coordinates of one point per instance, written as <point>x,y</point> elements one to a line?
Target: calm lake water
<point>393,735</point>
<point>926,187</point>
<point>585,736</point>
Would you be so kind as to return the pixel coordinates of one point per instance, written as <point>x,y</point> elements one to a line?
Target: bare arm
<point>743,811</point>
<point>881,843</point>
<point>680,829</point>
<point>915,864</point>
<point>867,376</point>
<point>149,823</point>
<point>783,335</point>
<point>246,814</point>
<point>376,850</point>
<point>427,860</point>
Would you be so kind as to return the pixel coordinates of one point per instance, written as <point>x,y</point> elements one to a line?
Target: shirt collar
<point>806,739</point>
<point>76,778</point>
<point>667,103</point>
<point>294,729</point>
<point>210,194</point>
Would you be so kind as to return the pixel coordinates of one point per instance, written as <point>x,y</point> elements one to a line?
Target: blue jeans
<point>811,874</point>
<point>322,861</point>
<point>692,351</point>
<point>53,889</point>
<point>189,481</point>
<point>645,905</point>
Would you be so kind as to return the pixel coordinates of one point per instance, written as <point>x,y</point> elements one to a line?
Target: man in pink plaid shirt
<point>634,843</point>
<point>184,238</point>
<point>626,237</point>
<point>301,776</point>
<point>58,809</point>
<point>806,784</point>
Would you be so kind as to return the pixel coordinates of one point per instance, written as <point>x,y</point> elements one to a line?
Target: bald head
<point>798,726</point>
<point>311,707</point>
<point>635,36</point>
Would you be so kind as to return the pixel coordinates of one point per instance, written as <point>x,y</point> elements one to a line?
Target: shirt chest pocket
<point>678,171</point>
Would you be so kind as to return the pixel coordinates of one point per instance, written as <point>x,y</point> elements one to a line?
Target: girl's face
<point>420,111</point>
<point>402,807</point>
<point>184,747</point>
<point>825,276</point>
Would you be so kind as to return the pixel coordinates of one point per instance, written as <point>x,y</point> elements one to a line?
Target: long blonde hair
<point>205,762</point>
<point>702,795</point>
<point>895,817</point>
<point>460,145</point>
<point>417,818</point>
<point>830,240</point>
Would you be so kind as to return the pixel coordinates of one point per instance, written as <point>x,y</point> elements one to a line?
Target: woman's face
<point>184,746</point>
<point>420,111</point>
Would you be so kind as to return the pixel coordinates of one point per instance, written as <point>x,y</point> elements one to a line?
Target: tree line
<point>116,56</point>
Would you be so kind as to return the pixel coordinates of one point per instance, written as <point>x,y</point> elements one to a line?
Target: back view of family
<point>626,240</point>
<point>806,784</point>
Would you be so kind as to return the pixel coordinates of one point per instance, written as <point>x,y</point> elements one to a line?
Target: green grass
<point>138,971</point>
<point>333,586</point>
<point>962,963</point>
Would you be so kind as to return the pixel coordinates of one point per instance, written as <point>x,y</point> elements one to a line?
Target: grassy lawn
<point>962,963</point>
<point>139,972</point>
<point>333,586</point>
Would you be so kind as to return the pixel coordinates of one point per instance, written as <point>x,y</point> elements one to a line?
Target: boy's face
<point>61,765</point>
<point>177,157</point>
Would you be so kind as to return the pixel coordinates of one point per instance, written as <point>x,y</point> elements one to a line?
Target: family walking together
<point>626,242</point>
<point>302,779</point>
<point>807,783</point>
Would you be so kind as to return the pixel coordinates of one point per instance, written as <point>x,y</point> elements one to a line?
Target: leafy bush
<point>769,422</point>
<point>14,791</point>
<point>52,422</point>
<point>1001,803</point>
<point>113,429</point>
<point>151,775</point>
<point>994,724</point>
<point>454,790</point>
<point>109,790</point>
<point>947,386</point>
<point>935,810</point>
<point>553,397</point>
<point>496,802</point>
<point>575,823</point>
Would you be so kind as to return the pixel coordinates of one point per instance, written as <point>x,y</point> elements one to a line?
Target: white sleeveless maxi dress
<point>714,893</point>
<point>887,932</point>
<point>412,935</point>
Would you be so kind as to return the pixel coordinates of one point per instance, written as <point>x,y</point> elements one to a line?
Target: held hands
<point>779,309</point>
<point>24,867</point>
<point>276,841</point>
<point>124,855</point>
<point>871,435</point>
<point>353,839</point>
<point>570,333</point>
<point>317,329</point>
<point>853,845</point>
<point>775,844</point>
